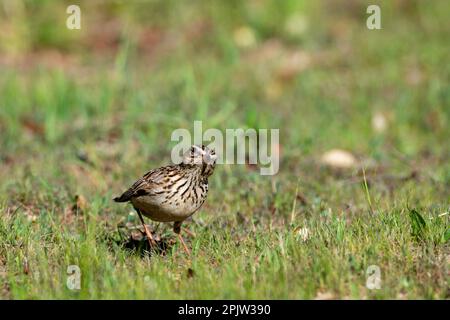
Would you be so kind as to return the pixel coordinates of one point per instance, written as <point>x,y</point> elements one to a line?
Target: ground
<point>85,113</point>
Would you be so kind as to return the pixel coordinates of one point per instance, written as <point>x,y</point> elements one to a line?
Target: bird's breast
<point>173,202</point>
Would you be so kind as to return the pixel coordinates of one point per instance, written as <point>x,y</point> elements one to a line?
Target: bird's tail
<point>123,198</point>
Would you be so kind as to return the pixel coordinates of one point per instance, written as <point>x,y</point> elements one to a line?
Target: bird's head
<point>201,156</point>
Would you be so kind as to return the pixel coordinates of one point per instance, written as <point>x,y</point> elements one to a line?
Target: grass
<point>89,119</point>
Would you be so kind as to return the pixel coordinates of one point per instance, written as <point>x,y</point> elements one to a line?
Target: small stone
<point>338,158</point>
<point>379,122</point>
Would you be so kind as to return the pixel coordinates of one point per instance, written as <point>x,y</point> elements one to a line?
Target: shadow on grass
<point>136,242</point>
<point>143,248</point>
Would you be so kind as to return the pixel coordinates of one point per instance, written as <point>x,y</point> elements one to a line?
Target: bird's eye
<point>203,147</point>
<point>192,149</point>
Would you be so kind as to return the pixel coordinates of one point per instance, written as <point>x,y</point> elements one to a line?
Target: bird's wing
<point>144,186</point>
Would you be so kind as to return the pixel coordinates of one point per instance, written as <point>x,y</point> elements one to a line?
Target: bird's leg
<point>189,232</point>
<point>150,239</point>
<point>177,230</point>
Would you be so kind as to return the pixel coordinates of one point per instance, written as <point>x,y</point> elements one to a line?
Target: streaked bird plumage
<point>175,192</point>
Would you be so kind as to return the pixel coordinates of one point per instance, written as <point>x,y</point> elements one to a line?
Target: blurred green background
<point>310,67</point>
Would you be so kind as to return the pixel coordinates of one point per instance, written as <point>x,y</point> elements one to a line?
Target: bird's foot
<point>150,239</point>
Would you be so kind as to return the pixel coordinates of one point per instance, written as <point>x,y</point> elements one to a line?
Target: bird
<point>173,193</point>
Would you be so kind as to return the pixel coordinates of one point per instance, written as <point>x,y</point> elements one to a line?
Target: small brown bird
<point>173,193</point>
